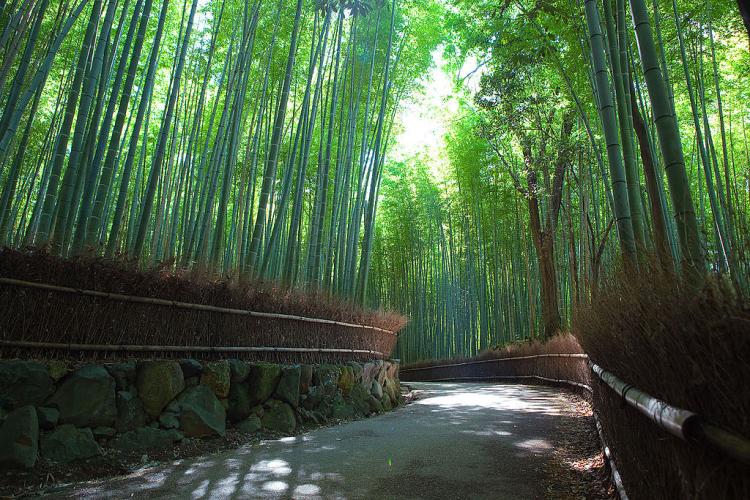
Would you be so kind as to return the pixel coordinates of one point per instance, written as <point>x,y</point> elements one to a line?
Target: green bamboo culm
<point>273,154</point>
<point>161,144</point>
<point>670,144</point>
<point>46,225</point>
<point>231,170</point>
<point>376,165</point>
<point>618,62</point>
<point>716,209</point>
<point>609,124</point>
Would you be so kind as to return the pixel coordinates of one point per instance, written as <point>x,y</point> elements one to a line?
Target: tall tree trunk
<point>618,62</point>
<point>143,105</point>
<point>97,139</point>
<point>744,6</point>
<point>73,174</point>
<point>61,147</point>
<point>364,264</point>
<point>105,182</point>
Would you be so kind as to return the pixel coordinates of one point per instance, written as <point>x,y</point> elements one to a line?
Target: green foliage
<point>233,136</point>
<point>254,138</point>
<point>464,250</point>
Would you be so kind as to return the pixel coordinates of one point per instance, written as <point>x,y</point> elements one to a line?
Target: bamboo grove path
<point>455,441</point>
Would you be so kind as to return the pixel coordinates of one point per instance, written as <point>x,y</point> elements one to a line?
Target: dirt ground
<point>578,468</point>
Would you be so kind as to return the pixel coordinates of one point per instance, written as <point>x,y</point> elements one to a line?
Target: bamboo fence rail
<point>616,478</point>
<point>512,377</point>
<point>679,422</point>
<point>496,360</point>
<point>185,305</point>
<point>674,420</point>
<point>176,348</point>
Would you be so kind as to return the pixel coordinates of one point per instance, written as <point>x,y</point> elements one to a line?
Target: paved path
<point>457,441</point>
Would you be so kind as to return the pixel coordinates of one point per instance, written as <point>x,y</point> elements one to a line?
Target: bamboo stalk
<point>677,421</point>
<point>184,305</point>
<point>175,348</point>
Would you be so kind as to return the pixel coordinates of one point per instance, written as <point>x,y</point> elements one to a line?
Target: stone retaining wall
<point>63,412</point>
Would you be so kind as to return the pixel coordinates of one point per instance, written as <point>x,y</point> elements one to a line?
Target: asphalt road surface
<point>456,441</point>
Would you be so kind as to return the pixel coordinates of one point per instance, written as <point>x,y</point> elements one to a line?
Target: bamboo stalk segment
<point>676,421</point>
<point>735,446</point>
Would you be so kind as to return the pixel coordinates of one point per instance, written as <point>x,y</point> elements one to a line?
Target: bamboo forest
<point>239,222</point>
<point>270,139</point>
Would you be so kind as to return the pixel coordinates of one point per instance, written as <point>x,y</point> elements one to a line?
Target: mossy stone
<point>86,398</point>
<point>201,413</point>
<point>145,438</point>
<point>288,388</point>
<point>216,376</point>
<point>130,412</point>
<point>23,383</point>
<point>346,380</point>
<point>19,438</point>
<point>279,417</point>
<point>250,425</point>
<point>67,444</point>
<point>158,382</point>
<point>262,382</point>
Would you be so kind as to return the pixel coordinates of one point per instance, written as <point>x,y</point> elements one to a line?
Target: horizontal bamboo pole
<point>495,360</point>
<point>682,423</point>
<point>507,377</point>
<point>174,348</point>
<point>616,478</point>
<point>679,422</point>
<point>674,420</point>
<point>184,305</point>
<point>734,446</point>
<point>568,382</point>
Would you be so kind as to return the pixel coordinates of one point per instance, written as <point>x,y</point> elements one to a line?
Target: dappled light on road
<point>496,397</point>
<point>492,440</point>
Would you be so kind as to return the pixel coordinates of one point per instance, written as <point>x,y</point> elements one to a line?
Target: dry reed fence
<point>532,362</point>
<point>689,350</point>
<point>34,320</point>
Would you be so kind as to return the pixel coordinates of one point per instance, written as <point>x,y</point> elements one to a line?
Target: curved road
<point>455,441</point>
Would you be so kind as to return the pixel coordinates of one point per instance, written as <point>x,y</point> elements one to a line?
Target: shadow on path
<point>456,441</point>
